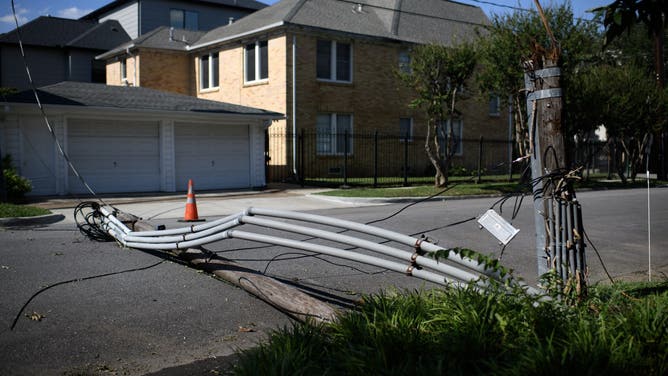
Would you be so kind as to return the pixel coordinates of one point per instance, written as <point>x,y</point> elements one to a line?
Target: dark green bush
<point>16,186</point>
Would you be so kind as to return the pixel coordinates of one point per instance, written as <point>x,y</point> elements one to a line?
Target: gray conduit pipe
<point>366,244</point>
<point>371,230</point>
<point>369,260</point>
<point>188,229</point>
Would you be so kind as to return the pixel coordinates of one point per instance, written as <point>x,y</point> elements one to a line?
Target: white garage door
<point>38,156</point>
<point>114,155</point>
<point>215,156</point>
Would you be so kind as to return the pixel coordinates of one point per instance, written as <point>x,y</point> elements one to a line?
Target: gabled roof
<point>163,38</point>
<point>243,4</point>
<point>415,21</point>
<point>83,94</point>
<point>48,31</point>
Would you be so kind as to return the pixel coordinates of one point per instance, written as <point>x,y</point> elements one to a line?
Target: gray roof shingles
<point>130,98</point>
<point>415,21</point>
<point>62,32</point>
<point>244,4</point>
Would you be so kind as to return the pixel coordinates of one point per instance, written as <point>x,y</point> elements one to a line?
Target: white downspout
<point>294,105</point>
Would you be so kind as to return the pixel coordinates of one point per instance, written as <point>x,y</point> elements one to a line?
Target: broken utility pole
<point>559,243</point>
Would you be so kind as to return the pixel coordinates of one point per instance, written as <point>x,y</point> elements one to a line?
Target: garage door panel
<point>215,156</point>
<point>115,155</point>
<point>38,156</point>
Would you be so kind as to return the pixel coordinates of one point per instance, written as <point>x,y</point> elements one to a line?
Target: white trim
<point>225,39</point>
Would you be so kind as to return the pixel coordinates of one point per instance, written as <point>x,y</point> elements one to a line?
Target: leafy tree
<point>514,39</point>
<point>438,76</point>
<point>622,16</point>
<point>626,100</point>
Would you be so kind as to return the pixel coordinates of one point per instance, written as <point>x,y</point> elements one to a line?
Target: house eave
<point>56,109</point>
<point>114,52</point>
<point>235,36</point>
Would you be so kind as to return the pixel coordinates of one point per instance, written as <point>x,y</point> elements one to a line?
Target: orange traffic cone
<point>191,206</point>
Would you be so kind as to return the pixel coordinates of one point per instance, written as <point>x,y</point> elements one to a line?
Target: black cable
<point>43,112</point>
<point>16,319</point>
<point>600,259</point>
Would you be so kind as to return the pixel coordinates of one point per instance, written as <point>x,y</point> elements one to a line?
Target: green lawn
<point>467,187</point>
<point>11,210</point>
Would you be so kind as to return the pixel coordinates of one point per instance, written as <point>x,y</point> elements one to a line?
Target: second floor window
<point>208,71</point>
<point>334,61</point>
<point>256,57</point>
<point>334,134</point>
<point>183,19</point>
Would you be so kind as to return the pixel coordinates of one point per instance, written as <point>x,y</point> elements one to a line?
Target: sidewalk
<point>210,205</point>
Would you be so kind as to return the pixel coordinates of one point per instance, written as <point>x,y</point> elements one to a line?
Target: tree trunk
<point>440,177</point>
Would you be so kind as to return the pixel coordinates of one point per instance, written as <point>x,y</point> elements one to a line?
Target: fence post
<point>477,181</point>
<point>302,169</point>
<point>406,159</point>
<point>375,158</point>
<point>346,136</point>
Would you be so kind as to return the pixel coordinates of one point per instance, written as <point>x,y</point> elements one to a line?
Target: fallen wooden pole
<point>285,298</point>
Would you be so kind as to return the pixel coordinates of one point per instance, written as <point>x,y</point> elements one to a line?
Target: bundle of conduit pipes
<point>459,271</point>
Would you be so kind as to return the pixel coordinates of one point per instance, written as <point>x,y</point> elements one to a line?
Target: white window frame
<point>402,135</point>
<point>211,69</point>
<point>333,66</point>
<point>257,63</point>
<point>334,134</point>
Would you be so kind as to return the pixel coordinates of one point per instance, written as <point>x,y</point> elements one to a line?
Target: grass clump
<point>618,330</point>
<point>11,210</point>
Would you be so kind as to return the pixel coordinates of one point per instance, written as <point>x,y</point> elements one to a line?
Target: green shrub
<point>16,186</point>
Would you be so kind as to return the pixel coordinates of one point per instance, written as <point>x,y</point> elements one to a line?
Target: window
<point>183,19</point>
<point>208,71</point>
<point>444,132</point>
<point>256,56</point>
<point>334,61</point>
<point>405,62</point>
<point>124,70</point>
<point>331,132</point>
<point>494,105</point>
<point>405,129</point>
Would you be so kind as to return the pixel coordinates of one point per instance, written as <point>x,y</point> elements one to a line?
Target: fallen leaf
<point>58,254</point>
<point>244,329</point>
<point>35,316</point>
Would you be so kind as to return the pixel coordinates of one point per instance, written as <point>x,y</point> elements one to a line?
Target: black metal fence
<point>378,159</point>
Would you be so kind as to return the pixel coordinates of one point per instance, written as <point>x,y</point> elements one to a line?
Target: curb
<point>395,200</point>
<point>38,220</point>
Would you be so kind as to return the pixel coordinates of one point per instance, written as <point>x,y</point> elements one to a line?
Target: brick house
<point>329,65</point>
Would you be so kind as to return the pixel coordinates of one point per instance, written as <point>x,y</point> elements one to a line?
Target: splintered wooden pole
<point>544,106</point>
<point>288,299</point>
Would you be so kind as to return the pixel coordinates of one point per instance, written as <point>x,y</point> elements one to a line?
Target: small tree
<point>438,75</point>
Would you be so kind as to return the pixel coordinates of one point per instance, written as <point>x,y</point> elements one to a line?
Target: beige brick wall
<point>167,71</point>
<point>114,71</point>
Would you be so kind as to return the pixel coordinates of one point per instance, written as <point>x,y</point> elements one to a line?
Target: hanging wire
<point>61,150</point>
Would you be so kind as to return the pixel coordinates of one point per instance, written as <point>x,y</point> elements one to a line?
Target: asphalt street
<point>131,312</point>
